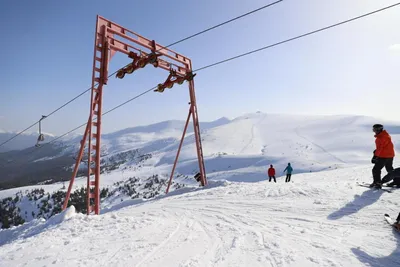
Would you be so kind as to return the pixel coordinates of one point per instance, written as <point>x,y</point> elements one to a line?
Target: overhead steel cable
<point>297,37</point>
<point>162,47</point>
<point>236,57</point>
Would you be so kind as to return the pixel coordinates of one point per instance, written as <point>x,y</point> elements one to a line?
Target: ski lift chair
<point>41,136</point>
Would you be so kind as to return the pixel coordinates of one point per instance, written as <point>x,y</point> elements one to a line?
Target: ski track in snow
<point>320,147</point>
<point>252,134</point>
<point>320,219</point>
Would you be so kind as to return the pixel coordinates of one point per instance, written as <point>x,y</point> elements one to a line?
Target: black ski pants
<point>272,177</point>
<point>379,164</point>
<point>288,176</point>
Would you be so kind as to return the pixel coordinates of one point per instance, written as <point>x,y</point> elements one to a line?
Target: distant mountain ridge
<point>231,148</point>
<point>22,141</point>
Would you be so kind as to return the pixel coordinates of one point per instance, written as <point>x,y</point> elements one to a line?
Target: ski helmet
<point>377,128</point>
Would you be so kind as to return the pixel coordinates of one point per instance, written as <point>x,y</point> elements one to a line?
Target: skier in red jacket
<point>271,173</point>
<point>383,154</point>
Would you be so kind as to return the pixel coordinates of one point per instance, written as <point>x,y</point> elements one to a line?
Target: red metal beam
<point>179,150</point>
<point>77,163</point>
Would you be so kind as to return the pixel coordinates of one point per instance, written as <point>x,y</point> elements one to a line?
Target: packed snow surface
<point>318,219</point>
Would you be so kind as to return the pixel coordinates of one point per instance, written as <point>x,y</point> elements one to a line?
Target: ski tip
<point>387,215</point>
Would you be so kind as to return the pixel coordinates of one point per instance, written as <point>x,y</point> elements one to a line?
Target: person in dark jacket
<point>271,173</point>
<point>393,176</point>
<point>383,154</point>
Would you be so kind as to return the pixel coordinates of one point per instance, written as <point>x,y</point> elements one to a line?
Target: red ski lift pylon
<point>109,39</point>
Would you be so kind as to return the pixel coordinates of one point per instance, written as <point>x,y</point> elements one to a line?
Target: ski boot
<point>376,185</point>
<point>390,184</point>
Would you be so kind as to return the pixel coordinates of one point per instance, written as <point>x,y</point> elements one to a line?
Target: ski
<point>367,186</point>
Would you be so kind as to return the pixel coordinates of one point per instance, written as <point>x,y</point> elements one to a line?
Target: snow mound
<point>35,227</point>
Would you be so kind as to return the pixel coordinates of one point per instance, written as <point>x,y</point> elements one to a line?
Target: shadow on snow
<point>390,260</point>
<point>367,198</point>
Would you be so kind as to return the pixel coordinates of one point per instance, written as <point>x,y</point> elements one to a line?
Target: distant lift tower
<point>109,39</point>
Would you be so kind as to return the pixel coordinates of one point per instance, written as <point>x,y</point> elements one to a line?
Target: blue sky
<point>47,49</point>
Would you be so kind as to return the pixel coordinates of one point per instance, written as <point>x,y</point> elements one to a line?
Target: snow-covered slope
<point>244,147</point>
<point>319,219</point>
<point>233,149</point>
<point>309,142</point>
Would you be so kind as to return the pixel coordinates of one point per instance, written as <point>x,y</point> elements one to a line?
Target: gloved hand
<point>374,158</point>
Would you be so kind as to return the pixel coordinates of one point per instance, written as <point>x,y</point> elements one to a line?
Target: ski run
<point>318,219</point>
